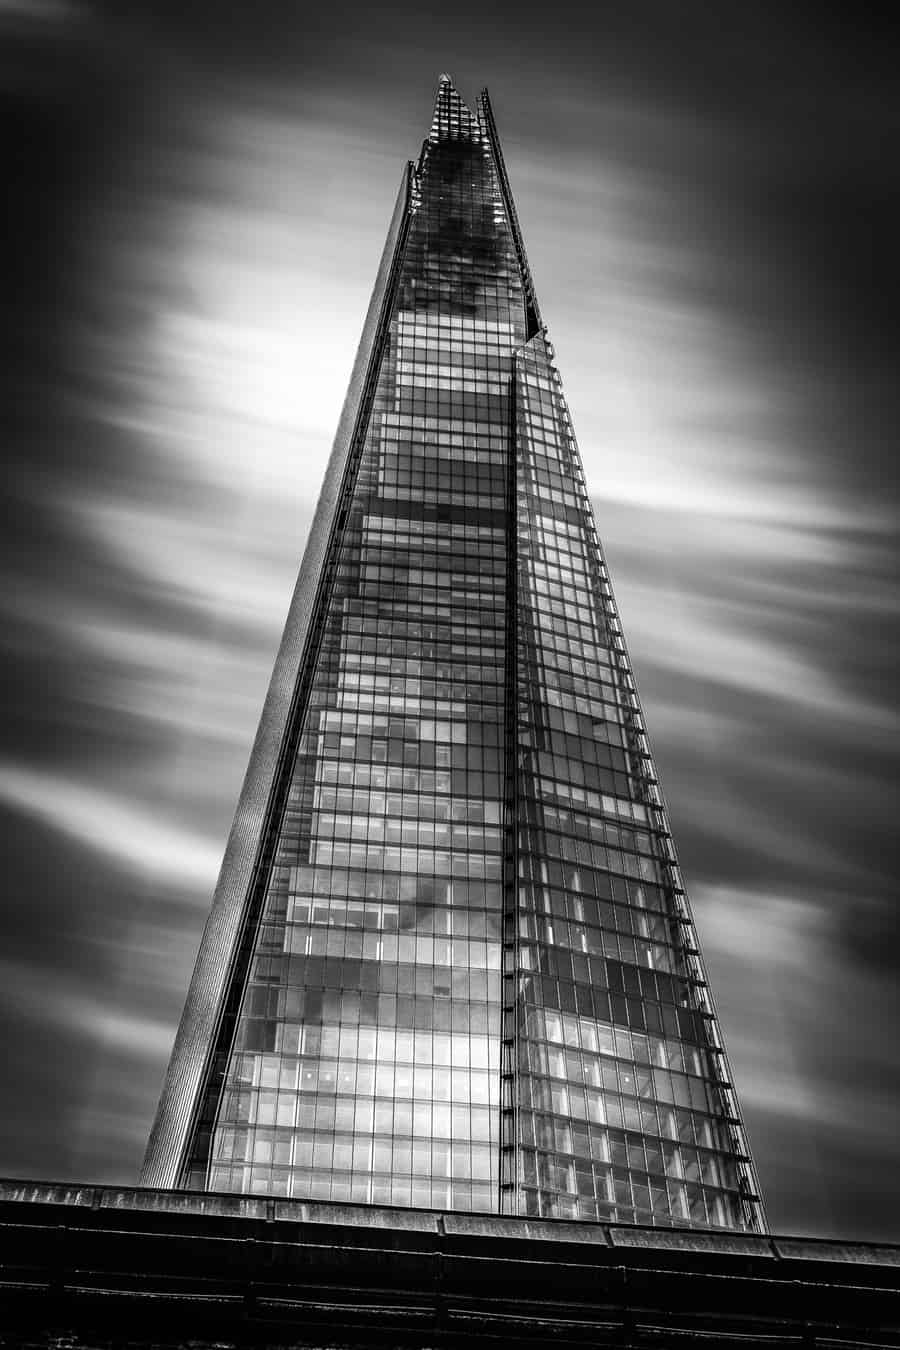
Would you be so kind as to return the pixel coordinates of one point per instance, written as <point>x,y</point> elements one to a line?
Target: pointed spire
<point>452,118</point>
<point>489,129</point>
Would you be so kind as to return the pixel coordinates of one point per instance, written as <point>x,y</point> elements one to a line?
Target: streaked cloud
<point>85,1014</point>
<point>808,1072</point>
<point>121,830</point>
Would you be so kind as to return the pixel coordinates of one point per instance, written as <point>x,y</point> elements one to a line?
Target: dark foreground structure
<point>96,1266</point>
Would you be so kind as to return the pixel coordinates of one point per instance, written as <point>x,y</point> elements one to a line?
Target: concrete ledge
<point>823,1249</point>
<point>361,1216</point>
<point>525,1230</point>
<point>83,1266</point>
<point>709,1242</point>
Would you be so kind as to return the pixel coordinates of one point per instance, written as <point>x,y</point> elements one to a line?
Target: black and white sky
<point>197,198</point>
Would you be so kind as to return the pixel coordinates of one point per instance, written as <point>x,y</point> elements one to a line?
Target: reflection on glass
<point>616,1106</point>
<point>365,1064</point>
<point>475,982</point>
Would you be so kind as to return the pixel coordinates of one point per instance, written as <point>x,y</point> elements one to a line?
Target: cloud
<point>121,830</point>
<point>738,644</point>
<point>785,1025</point>
<point>47,11</point>
<point>90,1017</point>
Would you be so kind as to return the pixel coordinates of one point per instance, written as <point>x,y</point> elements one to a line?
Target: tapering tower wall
<point>450,962</point>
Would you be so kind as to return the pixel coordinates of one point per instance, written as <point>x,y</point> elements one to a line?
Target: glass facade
<point>466,975</point>
<point>615,1104</point>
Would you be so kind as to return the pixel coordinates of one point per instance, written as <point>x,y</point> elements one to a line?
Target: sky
<point>198,198</point>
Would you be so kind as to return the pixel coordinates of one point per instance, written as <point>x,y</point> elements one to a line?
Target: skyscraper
<point>450,961</point>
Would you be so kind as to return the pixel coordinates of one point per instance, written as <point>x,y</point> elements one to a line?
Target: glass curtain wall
<point>619,1103</point>
<point>474,982</point>
<point>365,1061</point>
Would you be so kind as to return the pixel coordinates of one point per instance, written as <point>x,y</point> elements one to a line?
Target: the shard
<point>450,962</point>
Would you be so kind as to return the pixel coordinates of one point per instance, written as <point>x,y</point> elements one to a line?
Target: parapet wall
<point>84,1267</point>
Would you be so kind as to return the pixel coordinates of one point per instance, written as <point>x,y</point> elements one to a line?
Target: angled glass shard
<point>450,961</point>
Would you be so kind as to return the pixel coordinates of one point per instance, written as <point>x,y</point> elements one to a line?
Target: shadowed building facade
<point>450,962</point>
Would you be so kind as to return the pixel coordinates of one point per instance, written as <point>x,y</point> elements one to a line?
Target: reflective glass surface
<point>473,982</point>
<point>365,1062</point>
<point>616,1105</point>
